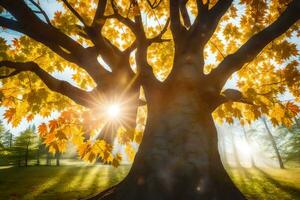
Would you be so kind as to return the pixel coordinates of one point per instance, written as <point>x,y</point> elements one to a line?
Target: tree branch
<point>158,38</point>
<point>79,96</point>
<point>155,4</point>
<point>247,52</point>
<point>41,11</point>
<point>184,13</point>
<point>74,12</point>
<point>29,24</point>
<point>176,26</point>
<point>207,21</point>
<point>97,23</point>
<point>229,95</point>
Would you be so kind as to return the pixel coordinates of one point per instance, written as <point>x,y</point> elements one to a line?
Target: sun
<point>113,111</point>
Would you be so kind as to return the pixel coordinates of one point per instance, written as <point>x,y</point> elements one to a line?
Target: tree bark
<point>178,157</point>
<point>272,139</point>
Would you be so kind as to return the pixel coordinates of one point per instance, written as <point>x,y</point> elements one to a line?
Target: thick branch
<point>79,96</point>
<point>184,13</point>
<point>229,95</point>
<point>29,24</point>
<point>176,26</point>
<point>207,21</point>
<point>255,45</point>
<point>97,21</point>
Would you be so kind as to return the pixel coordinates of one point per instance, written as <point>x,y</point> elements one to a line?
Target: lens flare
<point>113,111</point>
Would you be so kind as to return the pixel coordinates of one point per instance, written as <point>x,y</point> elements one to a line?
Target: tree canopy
<point>113,47</point>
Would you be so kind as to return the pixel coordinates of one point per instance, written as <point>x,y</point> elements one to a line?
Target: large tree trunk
<point>178,157</point>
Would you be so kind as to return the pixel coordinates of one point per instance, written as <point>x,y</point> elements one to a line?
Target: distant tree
<point>25,143</point>
<point>290,141</point>
<point>274,144</point>
<point>57,157</point>
<point>6,137</point>
<point>48,158</point>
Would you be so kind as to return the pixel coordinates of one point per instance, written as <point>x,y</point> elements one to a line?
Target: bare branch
<point>79,96</point>
<point>255,45</point>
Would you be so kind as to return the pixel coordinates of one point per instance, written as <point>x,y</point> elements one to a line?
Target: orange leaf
<point>53,124</point>
<point>293,108</point>
<point>16,43</point>
<point>9,114</point>
<point>42,129</point>
<point>30,117</point>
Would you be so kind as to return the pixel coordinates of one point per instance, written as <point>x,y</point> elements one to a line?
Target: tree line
<point>24,149</point>
<point>282,144</point>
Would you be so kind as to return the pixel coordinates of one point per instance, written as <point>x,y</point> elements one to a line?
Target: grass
<point>64,182</point>
<point>77,181</point>
<point>268,183</point>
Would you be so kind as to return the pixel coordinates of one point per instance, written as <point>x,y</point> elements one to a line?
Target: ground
<point>268,183</point>
<point>80,180</point>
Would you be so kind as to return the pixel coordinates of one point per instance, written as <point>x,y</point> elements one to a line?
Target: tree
<point>274,145</point>
<point>5,137</point>
<point>290,142</point>
<point>25,143</point>
<point>114,53</point>
<point>57,157</point>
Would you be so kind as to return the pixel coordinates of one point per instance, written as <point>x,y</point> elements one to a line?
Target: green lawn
<point>56,183</point>
<point>78,181</point>
<point>268,183</point>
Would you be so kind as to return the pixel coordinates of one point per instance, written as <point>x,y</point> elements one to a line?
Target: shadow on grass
<point>64,182</point>
<point>287,188</point>
<point>256,184</point>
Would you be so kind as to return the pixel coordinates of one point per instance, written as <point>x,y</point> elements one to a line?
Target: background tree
<point>25,145</point>
<point>113,52</point>
<point>290,142</point>
<point>274,145</point>
<point>5,137</point>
